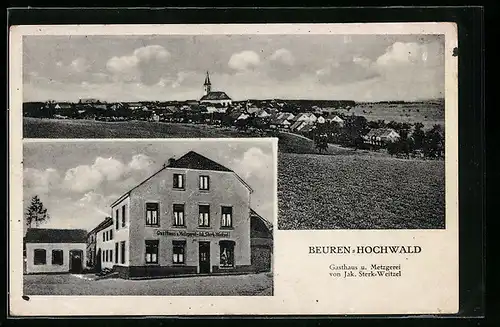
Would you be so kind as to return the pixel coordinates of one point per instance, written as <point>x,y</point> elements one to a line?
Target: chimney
<point>171,161</point>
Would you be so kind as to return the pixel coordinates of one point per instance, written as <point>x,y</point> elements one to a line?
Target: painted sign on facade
<point>160,232</point>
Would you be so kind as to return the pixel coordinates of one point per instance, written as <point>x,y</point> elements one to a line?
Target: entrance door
<point>204,252</point>
<point>75,261</point>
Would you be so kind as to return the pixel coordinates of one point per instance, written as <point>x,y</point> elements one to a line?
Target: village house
<point>335,119</point>
<point>286,115</point>
<point>55,250</point>
<point>183,220</point>
<point>214,97</point>
<point>63,106</point>
<point>298,125</point>
<point>93,256</point>
<point>307,117</point>
<point>381,136</point>
<point>263,114</point>
<point>321,120</point>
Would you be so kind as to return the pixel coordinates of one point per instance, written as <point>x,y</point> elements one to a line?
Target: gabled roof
<point>103,224</point>
<point>260,227</point>
<point>190,160</point>
<point>49,235</point>
<point>217,95</point>
<point>193,160</point>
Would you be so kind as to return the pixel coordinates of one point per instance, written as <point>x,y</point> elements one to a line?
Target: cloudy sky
<point>77,181</point>
<point>128,68</point>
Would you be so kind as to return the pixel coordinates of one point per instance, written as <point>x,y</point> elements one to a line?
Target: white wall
<point>48,247</point>
<point>122,233</point>
<point>106,246</point>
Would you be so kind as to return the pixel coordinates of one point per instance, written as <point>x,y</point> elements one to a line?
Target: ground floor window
<point>122,256</point>
<point>152,251</point>
<point>116,252</point>
<point>57,257</point>
<point>226,253</point>
<point>179,248</point>
<point>39,257</point>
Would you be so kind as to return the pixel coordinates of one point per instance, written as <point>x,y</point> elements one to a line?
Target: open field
<point>359,192</point>
<point>428,113</point>
<point>67,284</point>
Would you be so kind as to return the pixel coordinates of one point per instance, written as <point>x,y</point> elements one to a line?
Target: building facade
<point>94,259</point>
<point>55,250</point>
<point>191,217</point>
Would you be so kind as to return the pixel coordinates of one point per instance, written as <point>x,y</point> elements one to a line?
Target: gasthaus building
<point>193,216</point>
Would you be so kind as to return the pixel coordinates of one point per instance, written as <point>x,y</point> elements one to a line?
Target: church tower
<point>207,86</point>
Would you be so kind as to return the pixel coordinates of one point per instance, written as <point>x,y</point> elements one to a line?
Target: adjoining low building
<point>193,216</point>
<point>55,250</point>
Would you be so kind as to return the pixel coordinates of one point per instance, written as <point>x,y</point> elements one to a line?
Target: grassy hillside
<point>53,128</point>
<point>358,192</point>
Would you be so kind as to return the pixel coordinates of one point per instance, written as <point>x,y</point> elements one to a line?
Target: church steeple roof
<point>207,80</point>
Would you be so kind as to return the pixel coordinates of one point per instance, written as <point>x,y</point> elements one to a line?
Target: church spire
<point>207,79</point>
<point>207,86</point>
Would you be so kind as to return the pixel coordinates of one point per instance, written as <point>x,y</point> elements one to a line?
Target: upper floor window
<point>124,215</point>
<point>39,257</point>
<point>152,213</point>
<point>227,217</point>
<point>204,183</point>
<point>110,234</point>
<point>179,181</point>
<point>104,236</point>
<point>204,218</point>
<point>117,218</point>
<point>179,215</point>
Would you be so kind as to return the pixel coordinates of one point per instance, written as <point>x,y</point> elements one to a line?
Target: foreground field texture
<point>359,192</point>
<point>241,285</point>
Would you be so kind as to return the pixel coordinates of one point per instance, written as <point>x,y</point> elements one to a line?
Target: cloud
<point>244,60</point>
<point>144,64</point>
<point>79,65</point>
<point>404,53</point>
<point>283,56</point>
<point>140,162</point>
<point>82,178</point>
<point>347,71</point>
<point>110,168</point>
<point>40,181</point>
<point>254,160</point>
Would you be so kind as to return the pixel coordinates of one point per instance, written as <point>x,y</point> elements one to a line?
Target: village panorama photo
<point>149,217</point>
<point>359,118</point>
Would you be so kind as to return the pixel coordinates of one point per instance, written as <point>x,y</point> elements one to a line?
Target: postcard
<point>233,169</point>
